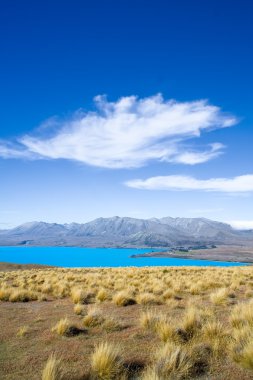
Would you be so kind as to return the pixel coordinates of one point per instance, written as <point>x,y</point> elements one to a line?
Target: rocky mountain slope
<point>127,232</point>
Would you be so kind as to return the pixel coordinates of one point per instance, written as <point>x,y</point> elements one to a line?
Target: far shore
<point>237,254</point>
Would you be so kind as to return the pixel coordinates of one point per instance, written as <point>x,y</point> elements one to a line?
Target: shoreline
<point>7,267</point>
<point>236,254</point>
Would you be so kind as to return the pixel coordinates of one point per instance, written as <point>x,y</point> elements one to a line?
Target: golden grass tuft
<point>102,295</point>
<point>220,296</point>
<point>79,296</point>
<point>19,295</point>
<point>242,347</point>
<point>79,309</point>
<point>123,298</point>
<point>192,322</point>
<point>94,317</point>
<point>22,331</point>
<point>5,294</point>
<point>111,324</point>
<point>165,330</point>
<point>242,315</point>
<point>173,362</point>
<point>148,319</point>
<point>52,369</point>
<point>106,363</point>
<point>148,299</point>
<point>65,328</point>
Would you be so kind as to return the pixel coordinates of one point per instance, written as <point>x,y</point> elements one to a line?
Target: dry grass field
<point>127,323</point>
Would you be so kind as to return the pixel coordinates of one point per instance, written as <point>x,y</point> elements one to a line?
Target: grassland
<point>127,323</point>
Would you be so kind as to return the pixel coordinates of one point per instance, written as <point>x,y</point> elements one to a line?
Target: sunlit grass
<point>188,318</point>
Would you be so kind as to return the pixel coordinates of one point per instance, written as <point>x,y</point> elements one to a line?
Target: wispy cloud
<point>9,150</point>
<point>193,158</point>
<point>238,184</point>
<point>127,133</point>
<point>241,224</point>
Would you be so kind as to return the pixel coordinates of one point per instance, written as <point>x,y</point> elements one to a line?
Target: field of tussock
<point>155,323</point>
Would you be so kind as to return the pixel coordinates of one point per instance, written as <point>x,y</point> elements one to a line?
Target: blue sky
<point>129,108</point>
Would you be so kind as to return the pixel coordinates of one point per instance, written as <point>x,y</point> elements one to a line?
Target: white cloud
<point>192,158</point>
<point>241,224</point>
<point>8,150</point>
<point>127,133</point>
<point>238,184</point>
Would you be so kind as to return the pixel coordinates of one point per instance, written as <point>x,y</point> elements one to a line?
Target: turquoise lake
<point>94,257</point>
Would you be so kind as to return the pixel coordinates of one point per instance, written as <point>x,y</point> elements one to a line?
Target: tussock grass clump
<point>165,329</point>
<point>22,331</point>
<point>106,363</point>
<point>174,362</point>
<point>111,324</point>
<point>17,295</point>
<point>151,374</point>
<point>220,296</point>
<point>52,369</point>
<point>245,357</point>
<point>102,295</point>
<point>196,289</point>
<point>5,294</point>
<point>148,319</point>
<point>79,309</point>
<point>22,296</point>
<point>65,328</point>
<point>249,294</point>
<point>62,327</point>
<point>123,298</point>
<point>81,296</point>
<point>242,347</point>
<point>93,318</point>
<point>148,299</point>
<point>192,323</point>
<point>213,329</point>
<point>168,294</point>
<point>217,336</point>
<point>242,315</point>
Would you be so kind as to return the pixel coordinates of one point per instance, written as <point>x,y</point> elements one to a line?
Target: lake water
<point>94,257</point>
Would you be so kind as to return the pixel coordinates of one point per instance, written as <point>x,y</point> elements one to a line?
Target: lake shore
<point>236,254</point>
<point>7,267</point>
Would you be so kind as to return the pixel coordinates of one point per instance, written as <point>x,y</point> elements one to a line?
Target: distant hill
<point>127,232</point>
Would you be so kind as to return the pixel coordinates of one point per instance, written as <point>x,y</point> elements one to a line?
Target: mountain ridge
<point>127,232</point>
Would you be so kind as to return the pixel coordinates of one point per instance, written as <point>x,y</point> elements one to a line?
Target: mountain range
<point>128,232</point>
